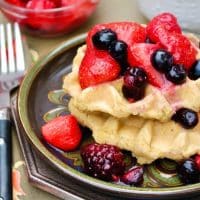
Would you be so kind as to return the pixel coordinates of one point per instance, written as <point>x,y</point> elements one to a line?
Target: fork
<point>12,66</point>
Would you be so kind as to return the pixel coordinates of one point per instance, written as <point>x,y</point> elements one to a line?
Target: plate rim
<point>93,182</point>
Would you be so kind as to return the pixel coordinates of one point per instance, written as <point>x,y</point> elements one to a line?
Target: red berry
<point>39,5</point>
<point>180,47</point>
<point>103,161</point>
<point>164,21</point>
<point>129,32</point>
<point>97,67</point>
<point>133,176</point>
<point>62,132</point>
<point>20,3</point>
<point>197,161</point>
<point>140,55</point>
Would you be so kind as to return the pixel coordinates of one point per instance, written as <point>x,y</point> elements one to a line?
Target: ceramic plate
<point>41,98</point>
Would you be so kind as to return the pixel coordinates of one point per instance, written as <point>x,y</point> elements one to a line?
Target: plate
<point>41,98</point>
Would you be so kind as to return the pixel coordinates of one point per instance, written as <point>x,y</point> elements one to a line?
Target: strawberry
<point>180,47</point>
<point>20,3</point>
<point>197,160</point>
<point>164,21</point>
<point>62,132</point>
<point>42,4</point>
<point>97,67</point>
<point>140,55</point>
<point>129,32</point>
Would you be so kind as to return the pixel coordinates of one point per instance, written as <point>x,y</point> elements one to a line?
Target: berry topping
<point>197,161</point>
<point>118,50</point>
<point>194,72</point>
<point>186,117</point>
<point>135,80</point>
<point>133,176</point>
<point>103,161</point>
<point>162,60</point>
<point>62,132</point>
<point>160,23</point>
<point>176,74</point>
<point>188,171</point>
<point>140,55</point>
<point>97,67</point>
<point>102,39</point>
<point>135,76</point>
<point>20,3</point>
<point>129,32</point>
<point>42,4</point>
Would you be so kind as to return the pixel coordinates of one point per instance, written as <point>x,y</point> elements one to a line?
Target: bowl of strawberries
<point>48,18</point>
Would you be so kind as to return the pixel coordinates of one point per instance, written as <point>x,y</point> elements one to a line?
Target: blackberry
<point>103,161</point>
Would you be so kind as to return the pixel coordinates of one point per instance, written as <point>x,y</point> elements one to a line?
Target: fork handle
<point>5,155</point>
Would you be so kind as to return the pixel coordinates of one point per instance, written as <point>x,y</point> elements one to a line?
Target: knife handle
<point>5,155</point>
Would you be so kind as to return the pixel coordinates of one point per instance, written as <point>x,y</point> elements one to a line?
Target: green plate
<point>41,98</point>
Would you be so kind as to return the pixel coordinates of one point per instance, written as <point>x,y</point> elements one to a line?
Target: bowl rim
<point>111,188</point>
<point>9,6</point>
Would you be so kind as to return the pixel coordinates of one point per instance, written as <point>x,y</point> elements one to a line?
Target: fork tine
<point>20,59</point>
<point>4,69</point>
<point>11,48</point>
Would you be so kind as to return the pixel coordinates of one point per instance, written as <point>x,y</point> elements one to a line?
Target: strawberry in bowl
<point>48,18</point>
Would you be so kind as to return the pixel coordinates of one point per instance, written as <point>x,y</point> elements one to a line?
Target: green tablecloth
<point>108,10</point>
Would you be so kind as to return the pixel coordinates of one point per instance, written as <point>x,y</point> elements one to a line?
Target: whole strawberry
<point>103,161</point>
<point>63,132</point>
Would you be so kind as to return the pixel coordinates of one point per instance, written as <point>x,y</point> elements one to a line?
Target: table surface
<point>108,10</point>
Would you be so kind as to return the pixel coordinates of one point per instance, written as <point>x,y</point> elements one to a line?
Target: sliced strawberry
<point>97,67</point>
<point>180,47</point>
<point>129,32</point>
<point>41,4</point>
<point>164,21</point>
<point>140,55</point>
<point>63,132</point>
<point>20,3</point>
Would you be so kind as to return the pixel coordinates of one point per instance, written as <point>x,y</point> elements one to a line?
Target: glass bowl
<point>49,22</point>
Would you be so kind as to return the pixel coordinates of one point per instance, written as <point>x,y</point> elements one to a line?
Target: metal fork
<point>12,66</point>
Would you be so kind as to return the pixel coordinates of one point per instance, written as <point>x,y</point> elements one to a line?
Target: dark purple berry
<point>102,39</point>
<point>103,161</point>
<point>118,50</point>
<point>162,60</point>
<point>194,72</point>
<point>176,74</point>
<point>186,117</point>
<point>133,176</point>
<point>133,94</point>
<point>188,171</point>
<point>135,77</point>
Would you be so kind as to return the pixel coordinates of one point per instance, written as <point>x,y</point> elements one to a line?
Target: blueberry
<point>135,77</point>
<point>118,50</point>
<point>188,171</point>
<point>194,72</point>
<point>186,117</point>
<point>176,74</point>
<point>102,39</point>
<point>162,60</point>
